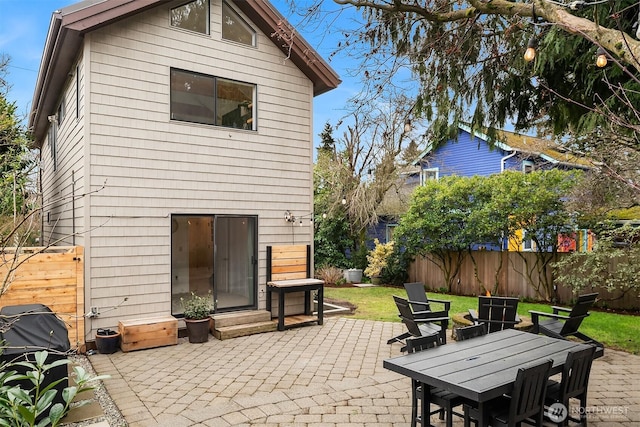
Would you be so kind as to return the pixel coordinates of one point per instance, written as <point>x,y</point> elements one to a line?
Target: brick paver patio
<point>316,376</point>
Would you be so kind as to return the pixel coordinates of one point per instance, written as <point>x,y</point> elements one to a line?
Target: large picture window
<point>192,16</point>
<point>206,99</point>
<point>234,28</point>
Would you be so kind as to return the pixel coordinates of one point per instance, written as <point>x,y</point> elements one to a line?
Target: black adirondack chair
<point>573,385</point>
<point>419,300</point>
<point>445,400</point>
<point>564,322</point>
<point>421,307</point>
<point>429,323</point>
<point>497,313</point>
<point>525,404</point>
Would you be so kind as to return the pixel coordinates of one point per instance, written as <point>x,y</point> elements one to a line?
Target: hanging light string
<point>602,56</point>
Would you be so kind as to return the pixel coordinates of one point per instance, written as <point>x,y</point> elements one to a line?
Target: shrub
<point>197,307</point>
<point>35,406</point>
<point>377,258</point>
<point>331,275</point>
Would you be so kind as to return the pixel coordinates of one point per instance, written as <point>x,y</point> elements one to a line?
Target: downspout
<point>502,162</point>
<point>505,158</point>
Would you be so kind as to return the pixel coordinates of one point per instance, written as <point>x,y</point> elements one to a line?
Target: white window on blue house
<point>234,28</point>
<point>192,16</point>
<point>427,174</point>
<point>528,166</point>
<point>201,98</point>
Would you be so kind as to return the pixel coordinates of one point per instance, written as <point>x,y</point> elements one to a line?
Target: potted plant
<point>197,310</point>
<point>377,259</point>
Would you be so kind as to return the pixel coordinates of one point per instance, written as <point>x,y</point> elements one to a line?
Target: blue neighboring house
<point>471,154</point>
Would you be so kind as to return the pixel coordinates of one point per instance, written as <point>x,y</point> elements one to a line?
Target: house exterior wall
<point>152,167</point>
<point>468,156</point>
<point>63,184</point>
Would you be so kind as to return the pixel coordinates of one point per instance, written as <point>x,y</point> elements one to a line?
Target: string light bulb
<point>601,58</point>
<point>407,126</point>
<point>530,53</point>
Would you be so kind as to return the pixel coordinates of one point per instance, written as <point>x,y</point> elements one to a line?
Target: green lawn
<point>615,331</point>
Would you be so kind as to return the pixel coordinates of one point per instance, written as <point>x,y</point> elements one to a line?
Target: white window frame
<point>429,173</point>
<point>528,245</point>
<point>528,166</point>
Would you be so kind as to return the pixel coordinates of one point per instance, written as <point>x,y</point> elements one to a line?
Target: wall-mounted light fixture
<point>52,118</point>
<point>289,217</point>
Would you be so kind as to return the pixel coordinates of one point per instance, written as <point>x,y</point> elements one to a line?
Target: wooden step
<point>242,330</point>
<point>239,318</point>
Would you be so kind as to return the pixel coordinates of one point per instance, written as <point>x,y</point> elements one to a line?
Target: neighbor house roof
<point>514,142</point>
<point>69,25</point>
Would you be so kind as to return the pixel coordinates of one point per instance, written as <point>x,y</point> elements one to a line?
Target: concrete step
<point>224,320</point>
<point>245,329</point>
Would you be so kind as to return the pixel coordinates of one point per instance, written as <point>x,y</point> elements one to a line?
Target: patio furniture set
<point>494,374</point>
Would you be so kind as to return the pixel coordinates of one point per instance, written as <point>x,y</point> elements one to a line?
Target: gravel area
<point>111,413</point>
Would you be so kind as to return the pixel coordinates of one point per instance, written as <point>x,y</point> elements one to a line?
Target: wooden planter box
<point>138,334</point>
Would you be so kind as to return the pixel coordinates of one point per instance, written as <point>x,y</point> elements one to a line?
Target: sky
<point>24,26</point>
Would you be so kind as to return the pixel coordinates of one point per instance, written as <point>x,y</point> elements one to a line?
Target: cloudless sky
<point>23,30</point>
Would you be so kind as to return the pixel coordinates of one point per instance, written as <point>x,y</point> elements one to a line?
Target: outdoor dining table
<point>482,368</point>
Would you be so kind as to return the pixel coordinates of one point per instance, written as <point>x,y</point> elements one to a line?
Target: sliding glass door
<point>216,255</point>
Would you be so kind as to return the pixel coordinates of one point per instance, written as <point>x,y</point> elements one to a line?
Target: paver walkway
<point>316,376</point>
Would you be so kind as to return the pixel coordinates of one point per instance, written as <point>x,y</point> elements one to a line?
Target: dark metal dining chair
<point>525,404</point>
<point>573,385</point>
<point>472,331</point>
<point>497,313</point>
<point>565,322</point>
<point>445,400</point>
<point>430,323</point>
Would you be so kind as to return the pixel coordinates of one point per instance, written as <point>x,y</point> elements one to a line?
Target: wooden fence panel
<point>51,276</point>
<point>507,268</point>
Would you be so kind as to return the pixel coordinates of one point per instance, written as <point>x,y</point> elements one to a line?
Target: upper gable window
<point>234,28</point>
<point>192,16</point>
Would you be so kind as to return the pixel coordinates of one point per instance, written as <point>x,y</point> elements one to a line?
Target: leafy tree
<point>619,247</point>
<point>15,157</point>
<point>328,142</point>
<point>352,180</point>
<point>536,203</point>
<point>468,59</point>
<point>449,217</point>
<point>436,225</point>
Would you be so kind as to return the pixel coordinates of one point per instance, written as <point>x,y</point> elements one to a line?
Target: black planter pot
<point>107,341</point>
<point>197,330</point>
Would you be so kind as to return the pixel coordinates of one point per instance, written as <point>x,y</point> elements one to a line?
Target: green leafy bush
<point>35,407</point>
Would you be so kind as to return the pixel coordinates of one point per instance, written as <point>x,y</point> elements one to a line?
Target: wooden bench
<point>289,272</point>
<point>138,334</point>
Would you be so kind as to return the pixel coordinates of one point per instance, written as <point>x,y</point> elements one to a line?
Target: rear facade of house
<point>173,136</point>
